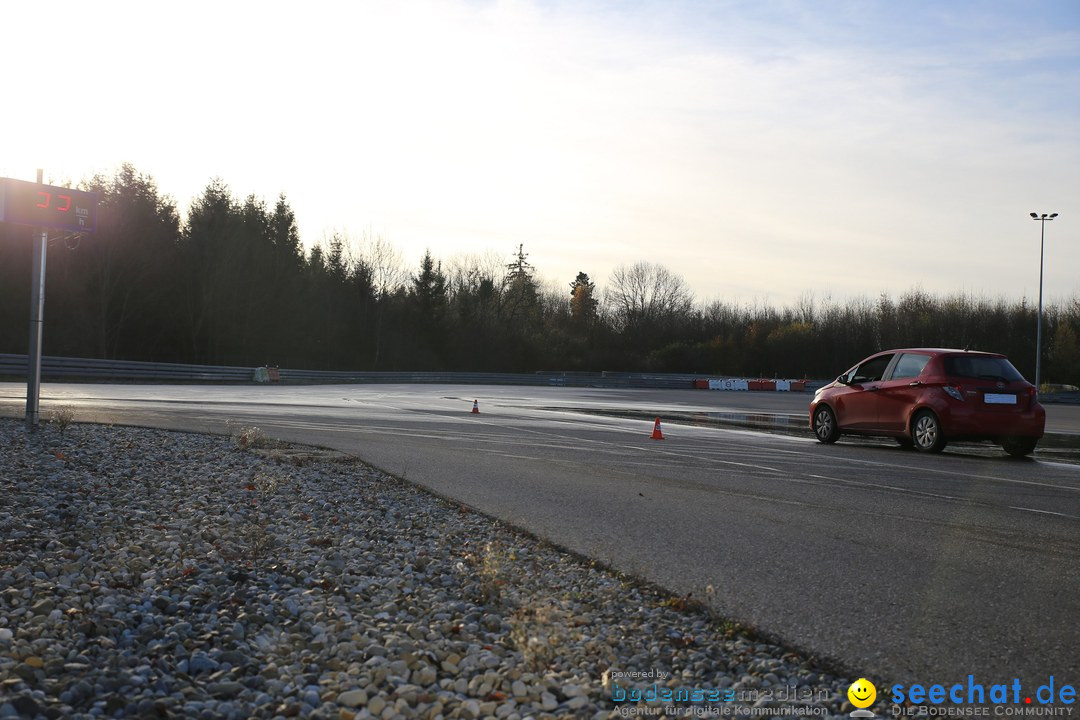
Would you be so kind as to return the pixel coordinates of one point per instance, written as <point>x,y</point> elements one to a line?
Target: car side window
<point>870,371</point>
<point>909,365</point>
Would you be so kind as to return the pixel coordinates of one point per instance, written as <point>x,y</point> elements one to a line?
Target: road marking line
<point>1044,512</point>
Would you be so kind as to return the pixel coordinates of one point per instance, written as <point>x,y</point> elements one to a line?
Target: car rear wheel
<point>1019,446</point>
<point>825,427</point>
<point>926,432</point>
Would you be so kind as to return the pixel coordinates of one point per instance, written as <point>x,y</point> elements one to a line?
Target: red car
<point>925,398</point>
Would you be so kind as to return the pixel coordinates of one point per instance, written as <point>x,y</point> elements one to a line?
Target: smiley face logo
<point>862,693</point>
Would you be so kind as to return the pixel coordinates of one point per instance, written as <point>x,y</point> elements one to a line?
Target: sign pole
<point>43,207</point>
<point>37,319</point>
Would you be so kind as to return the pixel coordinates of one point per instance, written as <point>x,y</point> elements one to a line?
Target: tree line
<point>232,284</point>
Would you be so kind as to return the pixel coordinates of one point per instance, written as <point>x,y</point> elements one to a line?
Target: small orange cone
<point>656,434</point>
<point>475,408</point>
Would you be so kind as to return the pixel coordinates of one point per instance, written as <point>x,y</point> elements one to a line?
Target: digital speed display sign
<point>47,206</point>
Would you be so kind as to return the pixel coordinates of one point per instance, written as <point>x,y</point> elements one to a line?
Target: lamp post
<point>1038,333</point>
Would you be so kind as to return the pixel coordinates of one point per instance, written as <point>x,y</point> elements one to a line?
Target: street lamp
<point>1038,334</point>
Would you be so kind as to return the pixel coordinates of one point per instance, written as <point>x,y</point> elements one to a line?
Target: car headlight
<point>954,393</point>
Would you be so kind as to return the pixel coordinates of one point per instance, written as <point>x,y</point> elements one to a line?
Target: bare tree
<point>388,269</point>
<point>645,294</point>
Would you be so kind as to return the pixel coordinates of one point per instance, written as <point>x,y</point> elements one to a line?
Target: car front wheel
<point>825,427</point>
<point>926,432</point>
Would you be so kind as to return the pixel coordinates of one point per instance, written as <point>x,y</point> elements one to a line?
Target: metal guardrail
<point>13,367</point>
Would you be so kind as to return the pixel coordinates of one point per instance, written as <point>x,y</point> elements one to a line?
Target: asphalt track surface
<point>897,565</point>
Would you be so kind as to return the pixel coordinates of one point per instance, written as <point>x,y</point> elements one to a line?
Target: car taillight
<point>954,393</point>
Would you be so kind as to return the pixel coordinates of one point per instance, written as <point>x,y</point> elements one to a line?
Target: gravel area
<point>153,574</point>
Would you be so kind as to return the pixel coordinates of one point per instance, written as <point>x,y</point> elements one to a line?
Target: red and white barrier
<point>760,384</point>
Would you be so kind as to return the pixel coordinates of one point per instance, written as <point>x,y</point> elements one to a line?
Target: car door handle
<point>914,384</point>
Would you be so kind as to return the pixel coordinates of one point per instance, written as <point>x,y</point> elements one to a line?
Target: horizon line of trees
<point>233,285</point>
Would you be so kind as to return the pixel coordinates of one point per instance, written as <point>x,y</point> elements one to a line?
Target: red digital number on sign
<point>47,206</point>
<point>63,205</point>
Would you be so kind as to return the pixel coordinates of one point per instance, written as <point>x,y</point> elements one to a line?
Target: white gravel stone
<point>548,701</point>
<point>153,574</point>
<point>376,705</point>
<point>352,698</point>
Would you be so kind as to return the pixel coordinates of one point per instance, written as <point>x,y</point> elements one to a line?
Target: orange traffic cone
<point>656,434</point>
<point>475,408</point>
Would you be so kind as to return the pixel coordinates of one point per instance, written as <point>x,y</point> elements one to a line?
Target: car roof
<point>944,351</point>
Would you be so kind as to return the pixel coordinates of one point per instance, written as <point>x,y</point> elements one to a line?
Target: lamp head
<point>1053,215</point>
<point>1034,216</point>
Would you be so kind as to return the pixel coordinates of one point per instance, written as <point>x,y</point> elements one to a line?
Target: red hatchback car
<point>925,398</point>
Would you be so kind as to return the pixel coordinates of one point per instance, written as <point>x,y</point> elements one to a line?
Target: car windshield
<point>981,368</point>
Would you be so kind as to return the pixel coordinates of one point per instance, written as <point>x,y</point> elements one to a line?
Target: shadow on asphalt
<point>1054,447</point>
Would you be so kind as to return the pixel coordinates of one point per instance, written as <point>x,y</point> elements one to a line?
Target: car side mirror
<point>842,379</point>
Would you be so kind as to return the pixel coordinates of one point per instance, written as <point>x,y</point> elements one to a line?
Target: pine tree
<point>520,299</point>
<point>583,301</point>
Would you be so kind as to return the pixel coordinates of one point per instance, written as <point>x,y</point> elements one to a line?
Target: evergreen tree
<point>429,302</point>
<point>429,290</point>
<point>118,292</point>
<point>207,260</point>
<point>519,295</point>
<point>583,301</point>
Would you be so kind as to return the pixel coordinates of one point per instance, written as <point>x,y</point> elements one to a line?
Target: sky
<point>765,151</point>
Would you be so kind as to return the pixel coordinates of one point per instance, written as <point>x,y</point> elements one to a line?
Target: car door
<point>857,409</point>
<point>899,391</point>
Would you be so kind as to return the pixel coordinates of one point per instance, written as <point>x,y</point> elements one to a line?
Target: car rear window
<point>981,368</point>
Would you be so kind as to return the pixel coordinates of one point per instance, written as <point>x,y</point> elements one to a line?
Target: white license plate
<point>999,399</point>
